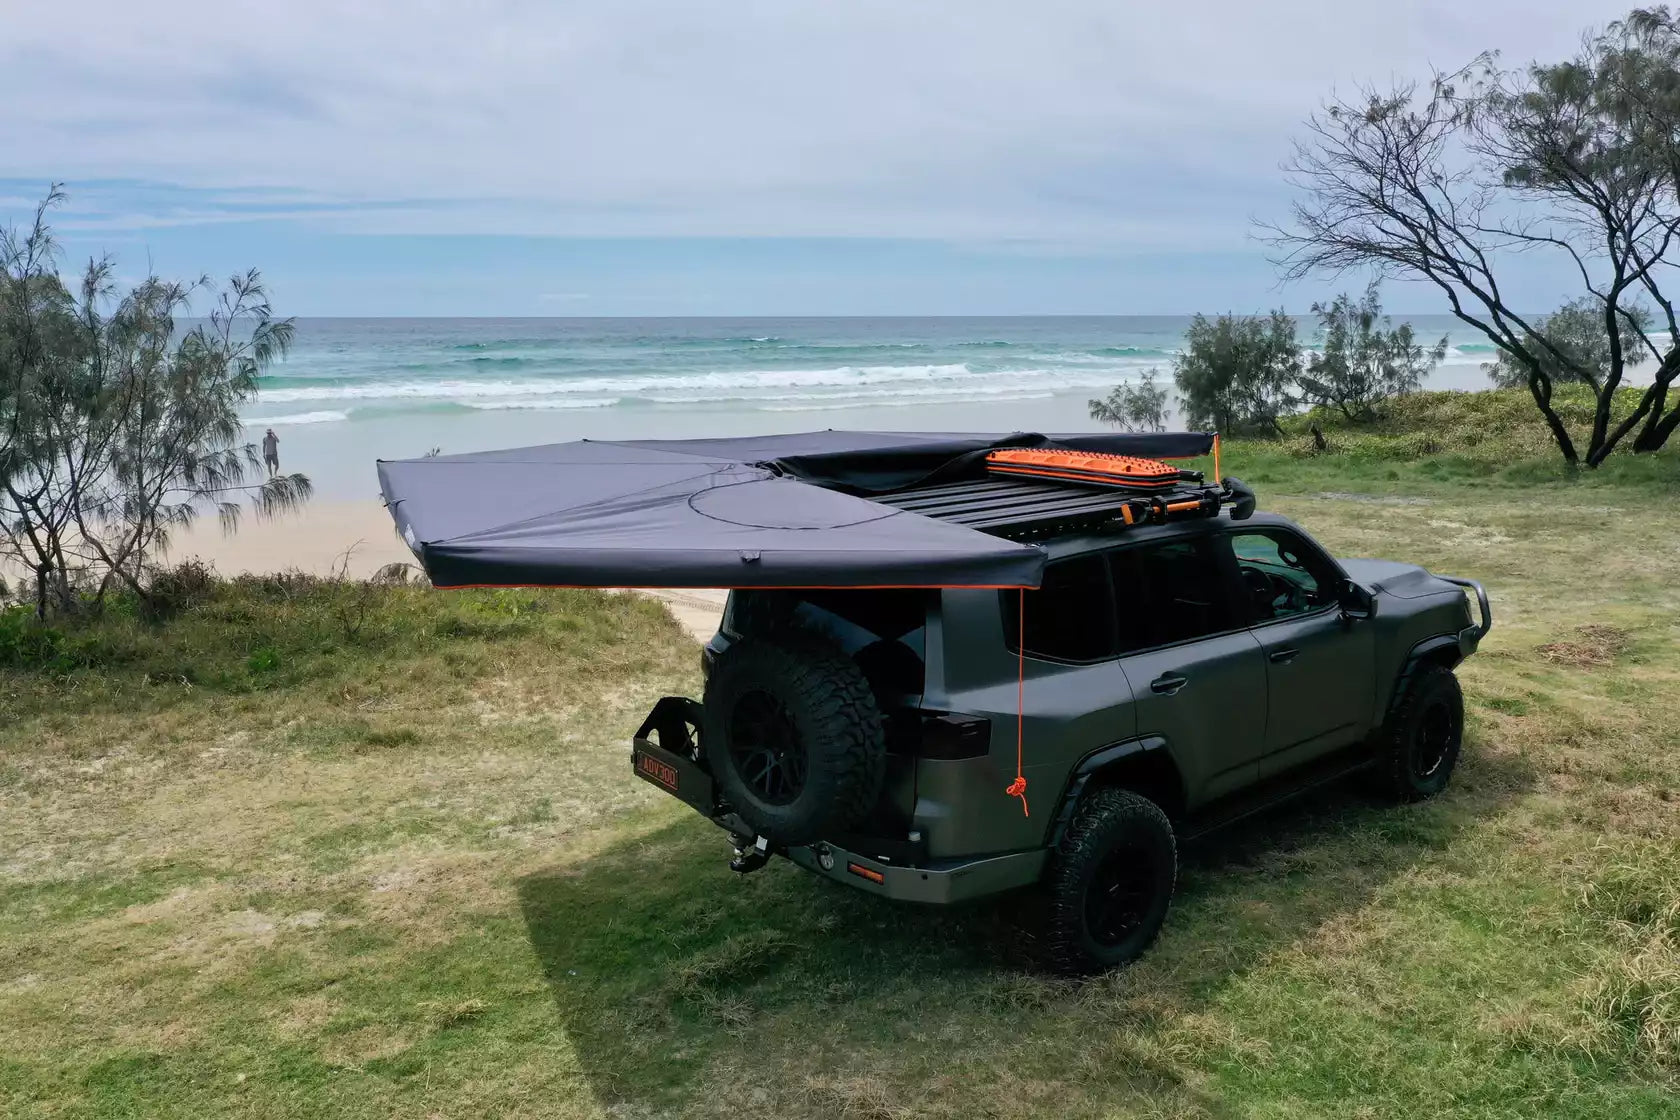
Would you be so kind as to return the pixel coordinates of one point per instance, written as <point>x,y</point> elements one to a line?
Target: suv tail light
<point>951,735</point>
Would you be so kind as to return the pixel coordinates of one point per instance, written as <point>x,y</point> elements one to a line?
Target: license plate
<point>657,771</point>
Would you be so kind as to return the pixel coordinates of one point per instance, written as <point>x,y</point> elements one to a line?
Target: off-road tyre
<point>1109,883</point>
<point>1417,747</point>
<point>797,695</point>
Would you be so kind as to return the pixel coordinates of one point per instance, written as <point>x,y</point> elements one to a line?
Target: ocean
<point>355,390</point>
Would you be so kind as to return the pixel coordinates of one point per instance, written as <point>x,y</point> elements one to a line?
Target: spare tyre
<point>793,736</point>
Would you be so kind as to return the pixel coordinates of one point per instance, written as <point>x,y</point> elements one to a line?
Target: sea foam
<point>725,384</point>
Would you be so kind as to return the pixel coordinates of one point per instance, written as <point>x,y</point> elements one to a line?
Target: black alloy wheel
<point>1437,736</point>
<point>767,749</point>
<point>793,737</point>
<point>1418,746</point>
<point>1109,882</point>
<point>1120,896</point>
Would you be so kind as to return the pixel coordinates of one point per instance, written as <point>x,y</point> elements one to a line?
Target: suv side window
<point>1170,592</point>
<point>1281,576</point>
<point>1070,617</point>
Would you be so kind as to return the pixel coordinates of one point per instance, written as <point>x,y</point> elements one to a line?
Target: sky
<point>685,157</point>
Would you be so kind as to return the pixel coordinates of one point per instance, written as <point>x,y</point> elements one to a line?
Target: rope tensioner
<point>1018,788</point>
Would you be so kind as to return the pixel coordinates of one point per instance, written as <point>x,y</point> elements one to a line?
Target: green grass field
<point>318,850</point>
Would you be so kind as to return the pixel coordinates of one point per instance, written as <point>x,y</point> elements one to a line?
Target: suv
<point>1164,680</point>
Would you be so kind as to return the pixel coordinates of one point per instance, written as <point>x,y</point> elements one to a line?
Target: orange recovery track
<point>1093,468</point>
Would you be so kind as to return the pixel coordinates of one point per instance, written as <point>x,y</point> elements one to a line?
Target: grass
<point>315,849</point>
<point>1438,442</point>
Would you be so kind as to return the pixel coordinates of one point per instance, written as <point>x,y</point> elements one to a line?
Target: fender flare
<point>1089,766</point>
<point>1421,653</point>
<point>1426,650</point>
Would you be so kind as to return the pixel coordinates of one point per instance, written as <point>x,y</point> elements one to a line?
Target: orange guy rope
<point>1217,477</point>
<point>1018,788</point>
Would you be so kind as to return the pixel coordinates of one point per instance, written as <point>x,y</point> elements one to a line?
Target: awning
<point>772,511</point>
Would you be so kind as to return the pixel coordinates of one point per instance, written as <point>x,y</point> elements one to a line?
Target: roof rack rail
<point>1016,507</point>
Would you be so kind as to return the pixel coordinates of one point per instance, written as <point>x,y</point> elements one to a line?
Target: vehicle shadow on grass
<point>684,988</point>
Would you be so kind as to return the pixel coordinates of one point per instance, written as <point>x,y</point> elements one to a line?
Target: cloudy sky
<point>488,157</point>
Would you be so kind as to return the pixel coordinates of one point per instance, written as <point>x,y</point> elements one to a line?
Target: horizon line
<point>848,315</point>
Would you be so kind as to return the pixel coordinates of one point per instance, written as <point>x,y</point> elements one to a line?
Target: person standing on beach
<point>271,453</point>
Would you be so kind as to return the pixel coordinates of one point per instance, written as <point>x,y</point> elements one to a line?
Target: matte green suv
<point>1163,681</point>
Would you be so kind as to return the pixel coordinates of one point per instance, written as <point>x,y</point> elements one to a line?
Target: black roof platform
<point>1018,508</point>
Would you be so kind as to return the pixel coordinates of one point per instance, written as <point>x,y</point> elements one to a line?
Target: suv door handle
<point>1283,656</point>
<point>1168,683</point>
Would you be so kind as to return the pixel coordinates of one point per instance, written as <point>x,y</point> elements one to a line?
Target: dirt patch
<point>698,610</point>
<point>1372,499</point>
<point>1591,647</point>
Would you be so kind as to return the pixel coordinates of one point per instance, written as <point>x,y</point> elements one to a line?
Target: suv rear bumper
<point>944,882</point>
<point>682,773</point>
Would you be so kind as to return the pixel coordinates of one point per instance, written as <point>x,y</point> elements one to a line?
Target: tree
<point>41,346</point>
<point>1139,407</point>
<point>1236,373</point>
<point>1484,170</point>
<point>115,427</point>
<point>1361,361</point>
<point>1577,330</point>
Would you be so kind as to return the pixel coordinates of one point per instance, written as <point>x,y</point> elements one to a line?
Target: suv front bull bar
<point>1471,636</point>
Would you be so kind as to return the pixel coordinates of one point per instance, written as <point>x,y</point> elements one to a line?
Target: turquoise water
<point>345,370</point>
<point>357,389</point>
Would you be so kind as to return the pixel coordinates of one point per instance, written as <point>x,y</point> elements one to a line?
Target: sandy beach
<point>320,538</point>
<point>357,537</point>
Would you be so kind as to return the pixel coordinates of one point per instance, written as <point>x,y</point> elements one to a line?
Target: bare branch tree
<point>1457,181</point>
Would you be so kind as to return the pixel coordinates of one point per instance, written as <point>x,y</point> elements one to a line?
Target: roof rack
<point>1012,507</point>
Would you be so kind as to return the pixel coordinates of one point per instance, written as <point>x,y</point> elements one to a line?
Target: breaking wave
<point>691,387</point>
<point>324,416</point>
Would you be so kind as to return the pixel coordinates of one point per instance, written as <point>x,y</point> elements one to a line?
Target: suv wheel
<point>1109,883</point>
<point>792,734</point>
<point>1418,745</point>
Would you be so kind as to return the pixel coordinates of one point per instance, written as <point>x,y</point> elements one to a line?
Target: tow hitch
<point>750,857</point>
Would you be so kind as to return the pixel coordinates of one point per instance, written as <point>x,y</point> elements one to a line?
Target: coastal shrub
<point>119,423</point>
<point>1139,407</point>
<point>277,587</point>
<point>29,644</point>
<point>1576,331</point>
<point>174,589</point>
<point>24,642</point>
<point>1361,363</point>
<point>396,573</point>
<point>1237,373</point>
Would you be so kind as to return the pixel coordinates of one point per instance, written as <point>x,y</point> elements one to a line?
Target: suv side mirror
<point>1356,601</point>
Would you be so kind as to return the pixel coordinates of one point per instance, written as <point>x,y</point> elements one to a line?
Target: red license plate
<point>651,768</point>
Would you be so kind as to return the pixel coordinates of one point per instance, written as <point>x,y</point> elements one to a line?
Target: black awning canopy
<point>771,511</point>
